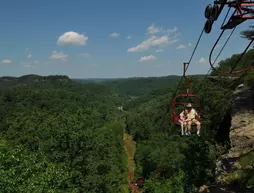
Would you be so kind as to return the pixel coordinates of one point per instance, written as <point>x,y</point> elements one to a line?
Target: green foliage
<point>70,135</point>
<point>246,175</point>
<point>21,171</point>
<point>75,126</point>
<point>142,86</point>
<point>245,62</point>
<point>175,184</point>
<point>249,33</point>
<point>168,162</point>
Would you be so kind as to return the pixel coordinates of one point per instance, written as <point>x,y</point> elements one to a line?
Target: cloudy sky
<point>105,39</point>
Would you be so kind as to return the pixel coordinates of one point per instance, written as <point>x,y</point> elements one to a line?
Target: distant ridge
<point>34,77</point>
<point>99,80</point>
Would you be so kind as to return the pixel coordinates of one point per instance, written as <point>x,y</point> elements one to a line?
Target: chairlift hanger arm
<point>186,79</point>
<point>244,10</point>
<point>232,71</point>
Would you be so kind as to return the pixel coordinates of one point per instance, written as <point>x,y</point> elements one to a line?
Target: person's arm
<point>187,118</point>
<point>181,115</point>
<point>196,114</point>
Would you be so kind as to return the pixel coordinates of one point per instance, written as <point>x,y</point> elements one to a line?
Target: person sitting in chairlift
<point>183,122</point>
<point>192,114</point>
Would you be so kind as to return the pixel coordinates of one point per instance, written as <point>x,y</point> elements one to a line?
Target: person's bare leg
<point>189,127</point>
<point>198,127</point>
<point>182,126</point>
<point>185,128</point>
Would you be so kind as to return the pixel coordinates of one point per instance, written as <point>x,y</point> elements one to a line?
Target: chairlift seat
<point>176,116</point>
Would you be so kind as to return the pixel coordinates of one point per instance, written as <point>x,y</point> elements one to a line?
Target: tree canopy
<point>60,135</point>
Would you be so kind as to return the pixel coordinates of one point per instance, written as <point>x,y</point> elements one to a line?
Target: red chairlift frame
<point>242,13</point>
<point>244,9</point>
<point>186,95</point>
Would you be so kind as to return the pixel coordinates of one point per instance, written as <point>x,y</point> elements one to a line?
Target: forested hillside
<point>181,164</point>
<point>58,135</point>
<point>127,96</point>
<point>166,160</point>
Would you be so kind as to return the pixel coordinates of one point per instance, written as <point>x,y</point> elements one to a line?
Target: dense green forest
<point>171,163</point>
<point>58,136</point>
<point>63,135</point>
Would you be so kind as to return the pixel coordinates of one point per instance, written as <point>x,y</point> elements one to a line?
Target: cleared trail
<point>130,149</point>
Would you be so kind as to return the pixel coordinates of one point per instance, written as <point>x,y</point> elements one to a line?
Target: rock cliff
<point>235,168</point>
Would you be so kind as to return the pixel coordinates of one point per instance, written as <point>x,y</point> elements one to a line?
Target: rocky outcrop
<point>242,124</point>
<point>229,168</point>
<point>242,100</point>
<point>242,133</point>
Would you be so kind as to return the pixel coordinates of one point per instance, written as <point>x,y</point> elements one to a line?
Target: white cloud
<point>72,38</point>
<point>170,30</point>
<point>147,58</point>
<point>181,46</point>
<point>157,41</point>
<point>159,50</point>
<point>152,29</point>
<point>217,46</point>
<point>159,65</point>
<point>6,61</point>
<point>85,55</point>
<point>202,61</point>
<point>114,34</point>
<point>29,66</point>
<point>153,41</point>
<point>29,56</point>
<point>58,56</point>
<point>30,63</point>
<point>128,37</point>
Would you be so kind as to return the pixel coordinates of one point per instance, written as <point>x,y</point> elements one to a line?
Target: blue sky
<point>107,39</point>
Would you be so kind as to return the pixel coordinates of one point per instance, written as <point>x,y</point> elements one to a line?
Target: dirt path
<point>130,148</point>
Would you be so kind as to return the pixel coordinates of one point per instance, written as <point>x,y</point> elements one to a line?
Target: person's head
<point>186,111</point>
<point>189,107</point>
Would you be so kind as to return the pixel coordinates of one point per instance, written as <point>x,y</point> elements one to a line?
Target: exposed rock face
<point>228,167</point>
<point>243,100</point>
<point>242,132</point>
<point>241,140</point>
<point>242,124</point>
